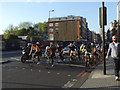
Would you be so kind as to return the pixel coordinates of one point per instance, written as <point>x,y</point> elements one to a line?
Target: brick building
<point>70,28</point>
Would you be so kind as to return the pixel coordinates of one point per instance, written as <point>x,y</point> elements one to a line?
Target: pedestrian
<point>114,50</point>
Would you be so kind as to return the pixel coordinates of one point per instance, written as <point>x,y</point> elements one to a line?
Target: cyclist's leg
<point>79,55</point>
<point>71,55</point>
<point>61,56</point>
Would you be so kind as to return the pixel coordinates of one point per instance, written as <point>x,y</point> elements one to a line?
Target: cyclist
<point>28,48</point>
<point>59,50</point>
<point>87,54</point>
<point>72,51</point>
<point>52,52</point>
<point>93,53</point>
<point>98,49</point>
<point>82,51</point>
<point>32,50</point>
<point>47,53</point>
<point>38,51</point>
<point>77,48</point>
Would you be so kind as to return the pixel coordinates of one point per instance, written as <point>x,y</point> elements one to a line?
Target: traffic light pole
<point>104,65</point>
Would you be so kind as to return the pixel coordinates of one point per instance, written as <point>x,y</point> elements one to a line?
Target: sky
<point>14,13</point>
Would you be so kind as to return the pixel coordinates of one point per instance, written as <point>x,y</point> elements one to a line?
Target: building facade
<point>112,31</point>
<point>70,28</point>
<point>118,11</point>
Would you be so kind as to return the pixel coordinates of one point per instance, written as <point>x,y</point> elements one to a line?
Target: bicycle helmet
<point>37,43</point>
<point>92,44</point>
<point>51,43</point>
<point>74,42</point>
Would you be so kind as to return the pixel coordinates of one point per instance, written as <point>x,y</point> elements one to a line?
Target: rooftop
<point>70,17</point>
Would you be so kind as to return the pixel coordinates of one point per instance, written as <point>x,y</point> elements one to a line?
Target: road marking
<point>15,59</point>
<point>69,75</point>
<point>31,69</point>
<point>49,72</point>
<point>58,73</point>
<point>81,73</point>
<point>72,65</point>
<point>16,67</point>
<point>84,73</point>
<point>23,68</point>
<point>39,70</point>
<point>68,84</point>
<point>74,80</point>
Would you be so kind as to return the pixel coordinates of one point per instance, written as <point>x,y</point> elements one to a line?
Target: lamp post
<point>49,13</point>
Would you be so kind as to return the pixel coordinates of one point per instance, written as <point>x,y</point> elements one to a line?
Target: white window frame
<point>51,36</point>
<point>50,24</point>
<point>56,24</point>
<point>50,29</point>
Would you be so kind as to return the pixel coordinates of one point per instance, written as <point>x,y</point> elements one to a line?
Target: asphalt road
<point>30,75</point>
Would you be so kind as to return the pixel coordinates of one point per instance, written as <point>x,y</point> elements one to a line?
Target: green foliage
<point>25,25</point>
<point>8,36</point>
<point>35,31</point>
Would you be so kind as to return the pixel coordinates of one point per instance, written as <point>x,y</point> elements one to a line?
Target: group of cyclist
<point>74,50</point>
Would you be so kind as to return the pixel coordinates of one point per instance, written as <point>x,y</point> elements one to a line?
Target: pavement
<point>97,79</point>
<point>3,60</point>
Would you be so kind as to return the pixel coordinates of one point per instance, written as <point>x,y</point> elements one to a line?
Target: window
<point>83,25</point>
<point>70,18</point>
<point>56,29</point>
<point>57,19</point>
<point>56,24</point>
<point>51,30</point>
<point>51,36</point>
<point>50,24</point>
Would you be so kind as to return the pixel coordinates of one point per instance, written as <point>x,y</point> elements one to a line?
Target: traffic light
<point>104,15</point>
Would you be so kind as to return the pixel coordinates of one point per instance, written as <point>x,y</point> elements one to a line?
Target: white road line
<point>69,75</point>
<point>15,59</point>
<point>39,70</point>
<point>68,84</point>
<point>49,72</point>
<point>72,65</point>
<point>58,73</point>
<point>74,80</point>
<point>23,68</point>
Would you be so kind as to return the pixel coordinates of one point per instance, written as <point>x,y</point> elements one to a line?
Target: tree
<point>26,28</point>
<point>40,27</point>
<point>25,25</point>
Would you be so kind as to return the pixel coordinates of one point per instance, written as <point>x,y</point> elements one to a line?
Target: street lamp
<point>49,13</point>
